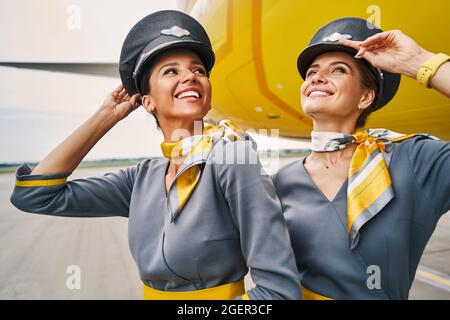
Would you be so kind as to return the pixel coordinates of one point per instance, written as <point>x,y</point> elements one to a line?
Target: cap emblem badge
<point>175,31</point>
<point>336,36</point>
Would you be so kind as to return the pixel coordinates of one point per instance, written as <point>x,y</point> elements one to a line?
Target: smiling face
<point>332,90</point>
<point>179,87</point>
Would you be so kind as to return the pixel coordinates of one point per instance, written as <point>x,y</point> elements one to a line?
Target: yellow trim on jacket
<point>310,295</point>
<point>40,183</point>
<point>224,292</point>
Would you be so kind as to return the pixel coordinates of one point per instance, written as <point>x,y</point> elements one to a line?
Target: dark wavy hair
<point>144,85</point>
<point>368,81</point>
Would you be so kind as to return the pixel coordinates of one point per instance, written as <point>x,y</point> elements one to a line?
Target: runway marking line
<point>433,277</point>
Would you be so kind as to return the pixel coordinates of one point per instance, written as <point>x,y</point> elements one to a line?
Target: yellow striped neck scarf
<point>369,187</point>
<point>195,151</point>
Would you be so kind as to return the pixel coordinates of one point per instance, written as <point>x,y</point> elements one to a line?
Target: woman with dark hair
<point>200,218</point>
<point>362,206</point>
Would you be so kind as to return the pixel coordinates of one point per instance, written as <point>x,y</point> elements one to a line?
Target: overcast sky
<point>38,109</point>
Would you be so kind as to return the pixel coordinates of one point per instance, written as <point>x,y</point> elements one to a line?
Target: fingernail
<point>359,53</point>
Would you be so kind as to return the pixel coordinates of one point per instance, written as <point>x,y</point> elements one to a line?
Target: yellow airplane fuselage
<point>257,42</point>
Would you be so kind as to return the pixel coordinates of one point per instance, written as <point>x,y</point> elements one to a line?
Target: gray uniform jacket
<point>392,242</point>
<point>232,221</point>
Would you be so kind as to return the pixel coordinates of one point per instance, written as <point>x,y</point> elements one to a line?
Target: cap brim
<point>204,52</point>
<point>308,55</point>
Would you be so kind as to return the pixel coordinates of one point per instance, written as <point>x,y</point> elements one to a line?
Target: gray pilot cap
<point>156,33</point>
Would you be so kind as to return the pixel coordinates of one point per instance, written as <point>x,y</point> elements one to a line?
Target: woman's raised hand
<point>392,51</point>
<point>120,104</point>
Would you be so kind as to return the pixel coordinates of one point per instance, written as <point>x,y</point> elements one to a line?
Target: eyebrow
<point>332,64</point>
<point>171,64</point>
<point>197,62</point>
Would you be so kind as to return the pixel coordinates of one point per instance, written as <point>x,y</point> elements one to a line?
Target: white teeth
<point>319,94</point>
<point>188,94</point>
